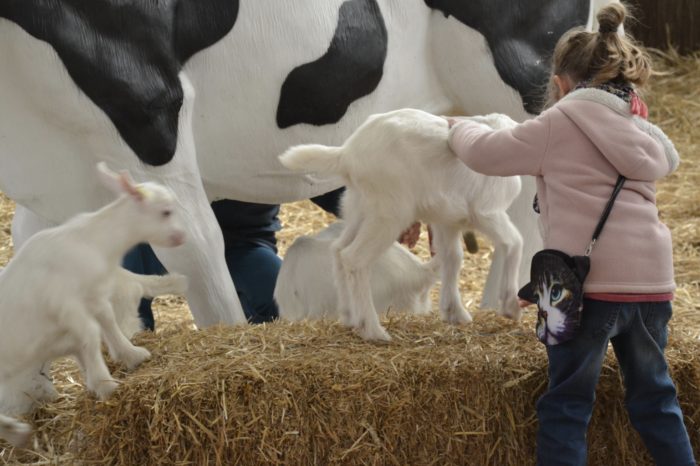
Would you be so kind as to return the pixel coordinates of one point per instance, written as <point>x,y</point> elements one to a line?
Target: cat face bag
<point>556,285</point>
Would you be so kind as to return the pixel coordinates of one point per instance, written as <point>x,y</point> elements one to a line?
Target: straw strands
<point>314,393</point>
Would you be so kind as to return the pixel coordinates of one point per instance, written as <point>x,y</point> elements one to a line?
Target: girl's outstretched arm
<point>506,152</point>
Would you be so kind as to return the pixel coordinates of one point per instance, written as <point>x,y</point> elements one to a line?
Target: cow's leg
<point>26,223</point>
<point>211,294</point>
<point>525,220</point>
<point>374,236</point>
<point>508,245</point>
<point>448,252</point>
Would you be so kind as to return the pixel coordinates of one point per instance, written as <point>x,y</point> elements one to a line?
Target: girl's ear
<point>119,183</point>
<point>563,84</point>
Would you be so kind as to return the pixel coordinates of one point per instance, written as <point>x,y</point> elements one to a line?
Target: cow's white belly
<point>238,84</point>
<point>51,135</point>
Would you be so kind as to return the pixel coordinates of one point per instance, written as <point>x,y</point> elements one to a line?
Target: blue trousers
<point>638,333</point>
<point>253,268</point>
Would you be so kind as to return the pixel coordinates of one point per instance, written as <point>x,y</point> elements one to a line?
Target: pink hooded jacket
<point>576,149</point>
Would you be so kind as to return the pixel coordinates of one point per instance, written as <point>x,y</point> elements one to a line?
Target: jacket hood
<point>629,142</point>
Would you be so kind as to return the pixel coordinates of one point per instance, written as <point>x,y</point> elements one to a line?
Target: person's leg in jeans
<point>254,269</point>
<point>564,411</point>
<point>650,395</point>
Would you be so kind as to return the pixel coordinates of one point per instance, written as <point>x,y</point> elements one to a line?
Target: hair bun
<point>610,17</point>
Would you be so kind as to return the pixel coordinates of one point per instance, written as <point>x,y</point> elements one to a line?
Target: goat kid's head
<point>155,207</point>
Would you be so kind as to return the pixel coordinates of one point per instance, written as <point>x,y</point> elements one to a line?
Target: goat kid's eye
<point>167,213</point>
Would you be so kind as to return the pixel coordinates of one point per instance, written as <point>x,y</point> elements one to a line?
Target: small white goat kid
<point>397,168</point>
<point>56,293</point>
<point>306,289</point>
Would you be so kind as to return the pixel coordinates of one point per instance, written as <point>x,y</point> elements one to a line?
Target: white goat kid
<point>20,393</point>
<point>398,167</point>
<point>55,294</point>
<point>306,288</point>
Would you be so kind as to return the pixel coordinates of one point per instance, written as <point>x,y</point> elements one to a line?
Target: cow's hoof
<point>346,319</point>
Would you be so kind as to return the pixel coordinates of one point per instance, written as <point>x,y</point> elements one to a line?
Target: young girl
<point>594,132</point>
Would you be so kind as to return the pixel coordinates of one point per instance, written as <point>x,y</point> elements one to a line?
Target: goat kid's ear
<point>118,183</point>
<point>108,178</point>
<point>128,186</point>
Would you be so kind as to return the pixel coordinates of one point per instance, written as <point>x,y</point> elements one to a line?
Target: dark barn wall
<point>661,21</point>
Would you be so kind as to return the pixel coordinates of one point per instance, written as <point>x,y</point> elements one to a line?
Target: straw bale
<point>312,393</point>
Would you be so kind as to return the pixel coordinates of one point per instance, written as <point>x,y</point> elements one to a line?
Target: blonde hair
<point>604,55</point>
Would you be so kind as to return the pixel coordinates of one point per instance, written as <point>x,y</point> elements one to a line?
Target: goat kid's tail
<point>313,158</point>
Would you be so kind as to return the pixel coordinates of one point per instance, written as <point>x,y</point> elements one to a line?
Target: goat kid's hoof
<point>373,334</point>
<point>45,392</point>
<point>511,309</point>
<point>105,388</point>
<point>136,357</point>
<point>457,316</point>
<point>15,432</point>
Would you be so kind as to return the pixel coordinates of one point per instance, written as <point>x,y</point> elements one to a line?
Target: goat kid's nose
<point>178,238</point>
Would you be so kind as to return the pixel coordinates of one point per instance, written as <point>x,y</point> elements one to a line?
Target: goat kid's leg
<point>525,221</point>
<point>508,245</point>
<point>120,348</point>
<point>448,251</point>
<point>15,432</point>
<point>374,237</point>
<point>20,393</point>
<point>97,377</point>
<point>339,275</point>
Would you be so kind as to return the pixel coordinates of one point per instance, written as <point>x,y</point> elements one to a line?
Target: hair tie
<point>607,29</point>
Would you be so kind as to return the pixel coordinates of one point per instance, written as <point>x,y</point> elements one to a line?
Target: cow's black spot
<point>126,56</point>
<point>521,34</point>
<point>320,92</point>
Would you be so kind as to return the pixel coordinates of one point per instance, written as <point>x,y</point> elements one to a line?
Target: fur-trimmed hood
<point>626,140</point>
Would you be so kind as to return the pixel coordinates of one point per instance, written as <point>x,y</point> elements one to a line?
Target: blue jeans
<point>253,268</point>
<point>638,333</point>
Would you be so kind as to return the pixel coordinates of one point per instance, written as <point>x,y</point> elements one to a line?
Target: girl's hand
<point>411,235</point>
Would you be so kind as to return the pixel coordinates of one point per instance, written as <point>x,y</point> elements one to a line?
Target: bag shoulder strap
<point>606,213</point>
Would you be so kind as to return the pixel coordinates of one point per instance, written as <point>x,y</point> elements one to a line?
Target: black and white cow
<point>203,95</point>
